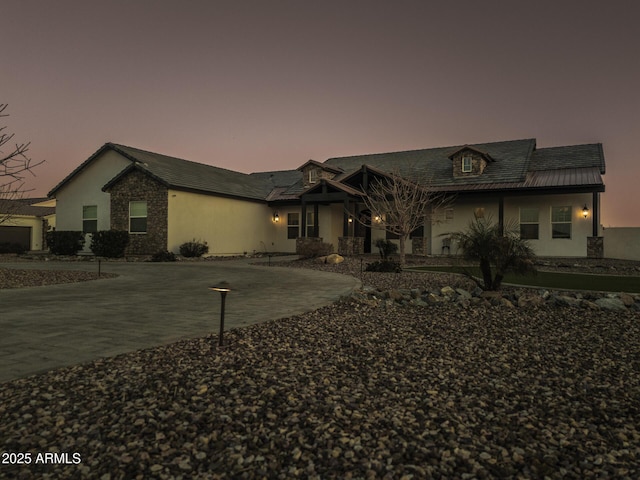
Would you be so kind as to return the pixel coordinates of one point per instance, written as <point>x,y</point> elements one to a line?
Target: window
<point>138,217</point>
<point>529,226</point>
<point>561,222</point>
<point>89,218</point>
<point>466,164</point>
<point>311,231</point>
<point>293,225</point>
<point>479,212</point>
<point>313,175</point>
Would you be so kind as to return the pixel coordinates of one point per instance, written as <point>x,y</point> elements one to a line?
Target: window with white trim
<point>89,218</point>
<point>138,216</point>
<point>293,225</point>
<point>313,175</point>
<point>311,231</point>
<point>561,222</point>
<point>529,223</point>
<point>467,165</point>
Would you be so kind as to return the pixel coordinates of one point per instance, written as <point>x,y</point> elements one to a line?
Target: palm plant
<point>498,249</point>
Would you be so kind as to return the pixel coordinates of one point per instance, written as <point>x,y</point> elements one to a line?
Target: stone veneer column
<point>419,246</point>
<point>351,245</point>
<point>595,247</point>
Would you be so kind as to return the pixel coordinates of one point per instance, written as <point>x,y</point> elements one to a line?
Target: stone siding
<point>478,164</point>
<point>137,186</point>
<point>419,246</point>
<point>302,242</point>
<point>351,245</point>
<point>595,247</point>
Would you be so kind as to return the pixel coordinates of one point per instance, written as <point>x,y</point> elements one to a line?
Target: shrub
<point>384,266</point>
<point>65,242</point>
<point>163,256</point>
<point>194,249</point>
<point>109,243</point>
<point>386,248</point>
<point>7,247</point>
<point>315,249</point>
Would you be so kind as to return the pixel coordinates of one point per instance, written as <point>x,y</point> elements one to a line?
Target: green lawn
<point>557,280</point>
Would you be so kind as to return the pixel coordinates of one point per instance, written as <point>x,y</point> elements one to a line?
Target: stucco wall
<point>86,189</point>
<point>229,226</point>
<point>581,228</point>
<point>622,243</point>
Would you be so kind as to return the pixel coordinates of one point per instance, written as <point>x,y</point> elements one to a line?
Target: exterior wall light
<point>585,211</point>
<point>223,288</point>
<point>276,217</point>
<point>377,218</point>
<point>350,219</point>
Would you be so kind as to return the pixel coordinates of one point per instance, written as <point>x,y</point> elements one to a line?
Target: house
<point>553,194</point>
<point>25,222</point>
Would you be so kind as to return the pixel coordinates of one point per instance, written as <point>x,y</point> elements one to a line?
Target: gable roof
<point>180,174</point>
<point>25,206</point>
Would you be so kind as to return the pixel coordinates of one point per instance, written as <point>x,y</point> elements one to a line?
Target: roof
<point>180,174</point>
<point>26,207</point>
<point>516,164</point>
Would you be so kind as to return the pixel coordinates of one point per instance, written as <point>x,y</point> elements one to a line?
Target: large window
<point>90,218</point>
<point>293,225</point>
<point>138,217</point>
<point>561,222</point>
<point>529,223</point>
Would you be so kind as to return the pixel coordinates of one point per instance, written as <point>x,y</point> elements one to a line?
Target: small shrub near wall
<point>65,242</point>
<point>384,266</point>
<point>163,256</point>
<point>314,249</point>
<point>194,249</point>
<point>109,243</point>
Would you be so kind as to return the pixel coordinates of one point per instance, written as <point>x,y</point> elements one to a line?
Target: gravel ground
<point>350,391</point>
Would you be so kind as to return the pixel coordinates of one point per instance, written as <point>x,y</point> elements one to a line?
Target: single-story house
<point>552,193</point>
<point>26,221</point>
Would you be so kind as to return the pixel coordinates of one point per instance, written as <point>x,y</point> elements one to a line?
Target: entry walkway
<point>148,304</point>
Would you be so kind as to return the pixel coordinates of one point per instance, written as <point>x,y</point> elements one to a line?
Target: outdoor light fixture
<point>350,219</point>
<point>276,217</point>
<point>223,288</point>
<point>377,218</point>
<point>585,211</point>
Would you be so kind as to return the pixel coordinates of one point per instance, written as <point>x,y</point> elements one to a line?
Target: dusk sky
<point>267,85</point>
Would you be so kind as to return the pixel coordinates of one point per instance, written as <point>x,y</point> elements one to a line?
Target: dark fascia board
<point>79,168</point>
<point>320,165</point>
<point>484,155</point>
<point>138,166</point>
<point>516,192</point>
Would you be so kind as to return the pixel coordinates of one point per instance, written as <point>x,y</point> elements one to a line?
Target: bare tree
<point>14,165</point>
<point>401,206</point>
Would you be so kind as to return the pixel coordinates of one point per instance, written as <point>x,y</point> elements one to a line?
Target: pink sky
<point>268,85</point>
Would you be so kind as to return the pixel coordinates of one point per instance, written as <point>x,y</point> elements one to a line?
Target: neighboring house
<point>552,193</point>
<point>26,221</point>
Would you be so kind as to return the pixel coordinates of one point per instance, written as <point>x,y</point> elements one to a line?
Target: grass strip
<point>557,280</point>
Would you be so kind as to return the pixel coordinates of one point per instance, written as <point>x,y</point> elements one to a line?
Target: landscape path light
<point>223,288</point>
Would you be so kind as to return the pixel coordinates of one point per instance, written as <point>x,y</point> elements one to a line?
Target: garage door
<point>19,235</point>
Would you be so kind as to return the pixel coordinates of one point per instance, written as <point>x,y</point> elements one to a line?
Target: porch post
<point>345,219</point>
<point>303,220</point>
<point>596,213</point>
<point>501,215</point>
<point>316,229</point>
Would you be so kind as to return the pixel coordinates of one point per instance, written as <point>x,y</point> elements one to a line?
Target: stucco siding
<point>85,188</point>
<point>229,226</point>
<point>622,243</point>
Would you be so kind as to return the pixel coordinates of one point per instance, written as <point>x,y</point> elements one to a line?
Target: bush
<point>194,249</point>
<point>110,243</point>
<point>315,249</point>
<point>65,242</point>
<point>163,256</point>
<point>384,266</point>
<point>7,247</point>
<point>386,248</point>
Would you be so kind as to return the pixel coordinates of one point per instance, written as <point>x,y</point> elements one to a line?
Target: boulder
<point>627,299</point>
<point>463,293</point>
<point>447,291</point>
<point>334,258</point>
<point>528,301</point>
<point>614,304</point>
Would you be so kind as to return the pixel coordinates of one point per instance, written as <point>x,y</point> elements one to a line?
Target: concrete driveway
<point>148,304</point>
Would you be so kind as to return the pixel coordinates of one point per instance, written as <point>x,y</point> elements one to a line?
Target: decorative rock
<point>463,293</point>
<point>614,304</point>
<point>334,258</point>
<point>528,301</point>
<point>447,291</point>
<point>627,299</point>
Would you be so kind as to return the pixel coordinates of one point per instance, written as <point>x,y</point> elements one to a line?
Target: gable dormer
<point>469,162</point>
<point>313,172</point>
